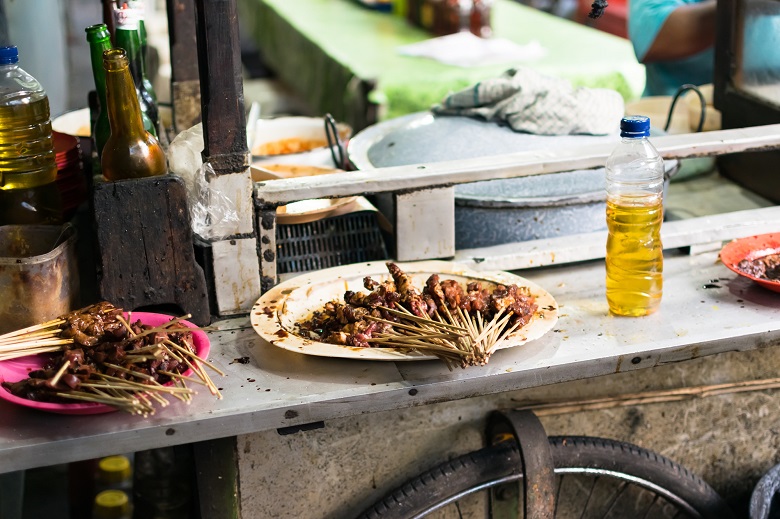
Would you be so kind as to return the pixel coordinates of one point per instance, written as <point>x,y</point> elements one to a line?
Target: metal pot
<point>497,211</point>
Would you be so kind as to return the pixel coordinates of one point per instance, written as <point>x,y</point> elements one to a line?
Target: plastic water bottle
<point>634,260</point>
<point>28,171</point>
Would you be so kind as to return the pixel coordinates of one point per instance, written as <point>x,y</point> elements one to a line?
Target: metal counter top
<point>267,387</point>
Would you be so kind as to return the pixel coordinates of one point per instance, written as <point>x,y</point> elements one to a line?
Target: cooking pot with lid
<point>499,211</point>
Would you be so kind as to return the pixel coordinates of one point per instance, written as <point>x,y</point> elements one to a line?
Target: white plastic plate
<point>274,315</point>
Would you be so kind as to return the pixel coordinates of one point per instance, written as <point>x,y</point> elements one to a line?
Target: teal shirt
<point>645,19</point>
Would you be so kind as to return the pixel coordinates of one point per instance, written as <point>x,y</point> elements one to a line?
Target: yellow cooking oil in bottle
<point>28,170</point>
<point>634,255</point>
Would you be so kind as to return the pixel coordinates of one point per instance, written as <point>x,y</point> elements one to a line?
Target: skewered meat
<point>353,322</point>
<point>100,338</point>
<point>765,267</point>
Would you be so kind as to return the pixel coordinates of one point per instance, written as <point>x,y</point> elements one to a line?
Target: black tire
<point>599,457</point>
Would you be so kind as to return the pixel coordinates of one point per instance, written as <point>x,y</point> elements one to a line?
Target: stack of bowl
<point>70,175</point>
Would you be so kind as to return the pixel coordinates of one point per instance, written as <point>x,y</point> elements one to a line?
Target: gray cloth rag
<point>531,102</point>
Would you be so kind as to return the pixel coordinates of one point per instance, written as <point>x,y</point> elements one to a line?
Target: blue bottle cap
<point>9,55</point>
<point>635,126</point>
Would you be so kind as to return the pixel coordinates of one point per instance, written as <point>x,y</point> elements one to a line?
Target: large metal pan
<point>497,211</point>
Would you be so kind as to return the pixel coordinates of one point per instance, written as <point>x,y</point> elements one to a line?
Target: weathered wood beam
<point>237,275</point>
<point>185,81</point>
<point>511,165</point>
<point>221,87</point>
<point>216,465</point>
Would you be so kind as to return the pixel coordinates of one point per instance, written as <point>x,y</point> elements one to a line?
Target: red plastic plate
<point>17,369</point>
<point>751,248</point>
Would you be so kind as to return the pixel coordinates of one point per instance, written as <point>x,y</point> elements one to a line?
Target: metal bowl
<point>496,211</point>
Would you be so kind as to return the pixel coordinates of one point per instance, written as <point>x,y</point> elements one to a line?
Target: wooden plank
<point>529,163</point>
<point>216,466</point>
<point>221,87</point>
<point>144,245</point>
<point>702,231</point>
<point>183,39</point>
<point>236,275</point>
<point>425,224</point>
<point>185,81</point>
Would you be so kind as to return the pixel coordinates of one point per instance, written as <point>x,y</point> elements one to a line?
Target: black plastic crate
<point>340,240</point>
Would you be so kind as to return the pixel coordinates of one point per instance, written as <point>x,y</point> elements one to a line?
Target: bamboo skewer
<point>181,377</point>
<point>139,393</point>
<point>44,334</point>
<point>48,324</point>
<point>195,356</point>
<point>57,376</point>
<point>34,344</point>
<point>650,397</point>
<point>451,336</point>
<point>32,351</point>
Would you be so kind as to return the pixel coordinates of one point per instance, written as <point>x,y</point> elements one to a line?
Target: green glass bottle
<point>127,37</point>
<point>138,5</point>
<point>99,41</point>
<point>131,151</point>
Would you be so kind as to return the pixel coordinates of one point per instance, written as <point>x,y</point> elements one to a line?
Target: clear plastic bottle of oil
<point>28,171</point>
<point>634,259</point>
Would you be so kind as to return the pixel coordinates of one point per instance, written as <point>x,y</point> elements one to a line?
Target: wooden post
<point>221,87</point>
<point>216,466</point>
<point>185,82</point>
<point>235,260</point>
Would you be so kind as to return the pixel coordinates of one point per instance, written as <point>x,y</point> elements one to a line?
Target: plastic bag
<point>211,212</point>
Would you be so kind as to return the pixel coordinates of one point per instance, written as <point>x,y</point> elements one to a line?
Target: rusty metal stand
<point>538,470</point>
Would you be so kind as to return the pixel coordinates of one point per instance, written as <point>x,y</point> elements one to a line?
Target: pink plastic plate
<point>17,369</point>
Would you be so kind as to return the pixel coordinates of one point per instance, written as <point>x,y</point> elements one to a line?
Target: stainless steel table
<point>706,309</point>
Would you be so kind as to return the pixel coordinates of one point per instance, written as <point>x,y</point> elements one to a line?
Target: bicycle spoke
<point>558,494</point>
<point>621,488</point>
<point>652,504</point>
<point>590,494</point>
<point>600,482</point>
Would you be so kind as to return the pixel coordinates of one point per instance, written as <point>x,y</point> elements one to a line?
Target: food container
<point>295,140</point>
<point>38,274</point>
<point>70,174</point>
<point>496,211</point>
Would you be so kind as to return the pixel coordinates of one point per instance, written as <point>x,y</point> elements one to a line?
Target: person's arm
<point>689,29</point>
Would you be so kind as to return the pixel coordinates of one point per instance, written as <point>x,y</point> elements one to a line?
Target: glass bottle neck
<point>124,112</point>
<point>130,41</point>
<point>98,72</point>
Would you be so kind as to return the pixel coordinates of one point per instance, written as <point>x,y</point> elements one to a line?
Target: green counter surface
<point>327,50</point>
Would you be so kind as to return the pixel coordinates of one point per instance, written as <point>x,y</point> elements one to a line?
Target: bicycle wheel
<point>595,478</point>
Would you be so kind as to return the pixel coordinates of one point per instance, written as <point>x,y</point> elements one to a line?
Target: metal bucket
<point>38,274</point>
<point>496,211</point>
